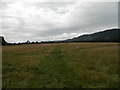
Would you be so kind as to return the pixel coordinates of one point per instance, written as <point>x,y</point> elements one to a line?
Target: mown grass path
<point>54,72</point>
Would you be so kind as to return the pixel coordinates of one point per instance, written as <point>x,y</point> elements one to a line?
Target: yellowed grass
<point>93,65</point>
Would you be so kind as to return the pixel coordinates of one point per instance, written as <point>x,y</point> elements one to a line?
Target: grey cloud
<point>77,18</point>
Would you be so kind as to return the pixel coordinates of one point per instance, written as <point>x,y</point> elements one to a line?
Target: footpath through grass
<point>54,72</point>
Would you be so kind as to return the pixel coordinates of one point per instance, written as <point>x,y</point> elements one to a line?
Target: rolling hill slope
<point>111,35</point>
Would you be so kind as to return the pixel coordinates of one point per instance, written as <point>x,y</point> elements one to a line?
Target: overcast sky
<point>34,20</point>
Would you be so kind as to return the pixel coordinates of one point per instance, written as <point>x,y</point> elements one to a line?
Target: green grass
<point>72,65</point>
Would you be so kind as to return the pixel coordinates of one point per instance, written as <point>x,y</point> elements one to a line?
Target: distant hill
<point>111,35</point>
<point>2,41</point>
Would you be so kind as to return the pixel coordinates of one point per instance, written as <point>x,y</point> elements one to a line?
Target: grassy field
<point>65,65</point>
